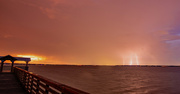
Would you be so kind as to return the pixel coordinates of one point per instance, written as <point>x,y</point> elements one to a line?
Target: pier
<point>9,84</point>
<point>20,81</point>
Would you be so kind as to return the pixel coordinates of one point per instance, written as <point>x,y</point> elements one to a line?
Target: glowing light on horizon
<point>33,58</point>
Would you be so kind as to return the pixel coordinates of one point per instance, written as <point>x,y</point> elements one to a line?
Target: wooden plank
<point>10,85</point>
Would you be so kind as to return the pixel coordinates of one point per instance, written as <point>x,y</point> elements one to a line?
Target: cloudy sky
<point>108,32</point>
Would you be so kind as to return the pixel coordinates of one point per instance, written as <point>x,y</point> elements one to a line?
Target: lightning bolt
<point>137,61</point>
<point>123,60</point>
<point>131,61</point>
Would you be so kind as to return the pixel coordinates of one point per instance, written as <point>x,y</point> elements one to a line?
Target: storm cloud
<point>92,31</point>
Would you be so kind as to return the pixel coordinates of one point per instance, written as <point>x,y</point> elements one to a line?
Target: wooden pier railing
<point>35,84</point>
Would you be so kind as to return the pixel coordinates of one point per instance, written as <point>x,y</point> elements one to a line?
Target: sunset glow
<point>33,58</point>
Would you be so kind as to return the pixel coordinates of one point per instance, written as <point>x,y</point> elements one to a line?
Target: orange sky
<point>92,32</point>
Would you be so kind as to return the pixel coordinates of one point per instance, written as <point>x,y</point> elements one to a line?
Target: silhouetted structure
<point>12,59</point>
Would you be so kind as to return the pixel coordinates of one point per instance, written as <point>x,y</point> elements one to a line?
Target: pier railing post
<point>31,84</point>
<point>24,79</point>
<point>37,87</point>
<point>2,62</point>
<point>12,65</point>
<point>47,92</point>
<point>26,67</point>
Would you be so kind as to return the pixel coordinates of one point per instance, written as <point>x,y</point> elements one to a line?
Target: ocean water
<point>114,79</point>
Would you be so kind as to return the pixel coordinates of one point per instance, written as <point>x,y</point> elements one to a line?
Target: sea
<point>114,79</point>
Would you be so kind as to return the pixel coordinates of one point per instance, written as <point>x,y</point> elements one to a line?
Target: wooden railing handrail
<point>34,83</point>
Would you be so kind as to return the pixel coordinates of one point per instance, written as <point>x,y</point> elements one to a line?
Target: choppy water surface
<point>114,79</point>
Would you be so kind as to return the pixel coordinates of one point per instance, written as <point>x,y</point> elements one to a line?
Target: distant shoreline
<point>7,64</point>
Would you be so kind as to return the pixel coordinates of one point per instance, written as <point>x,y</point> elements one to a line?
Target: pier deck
<point>20,81</point>
<point>9,84</point>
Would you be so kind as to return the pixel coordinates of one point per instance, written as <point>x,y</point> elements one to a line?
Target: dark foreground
<point>10,85</point>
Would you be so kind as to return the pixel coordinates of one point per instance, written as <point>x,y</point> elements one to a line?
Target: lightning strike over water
<point>123,61</point>
<point>137,62</point>
<point>131,61</point>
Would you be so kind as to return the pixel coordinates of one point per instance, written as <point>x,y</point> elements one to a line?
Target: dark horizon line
<point>100,65</point>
